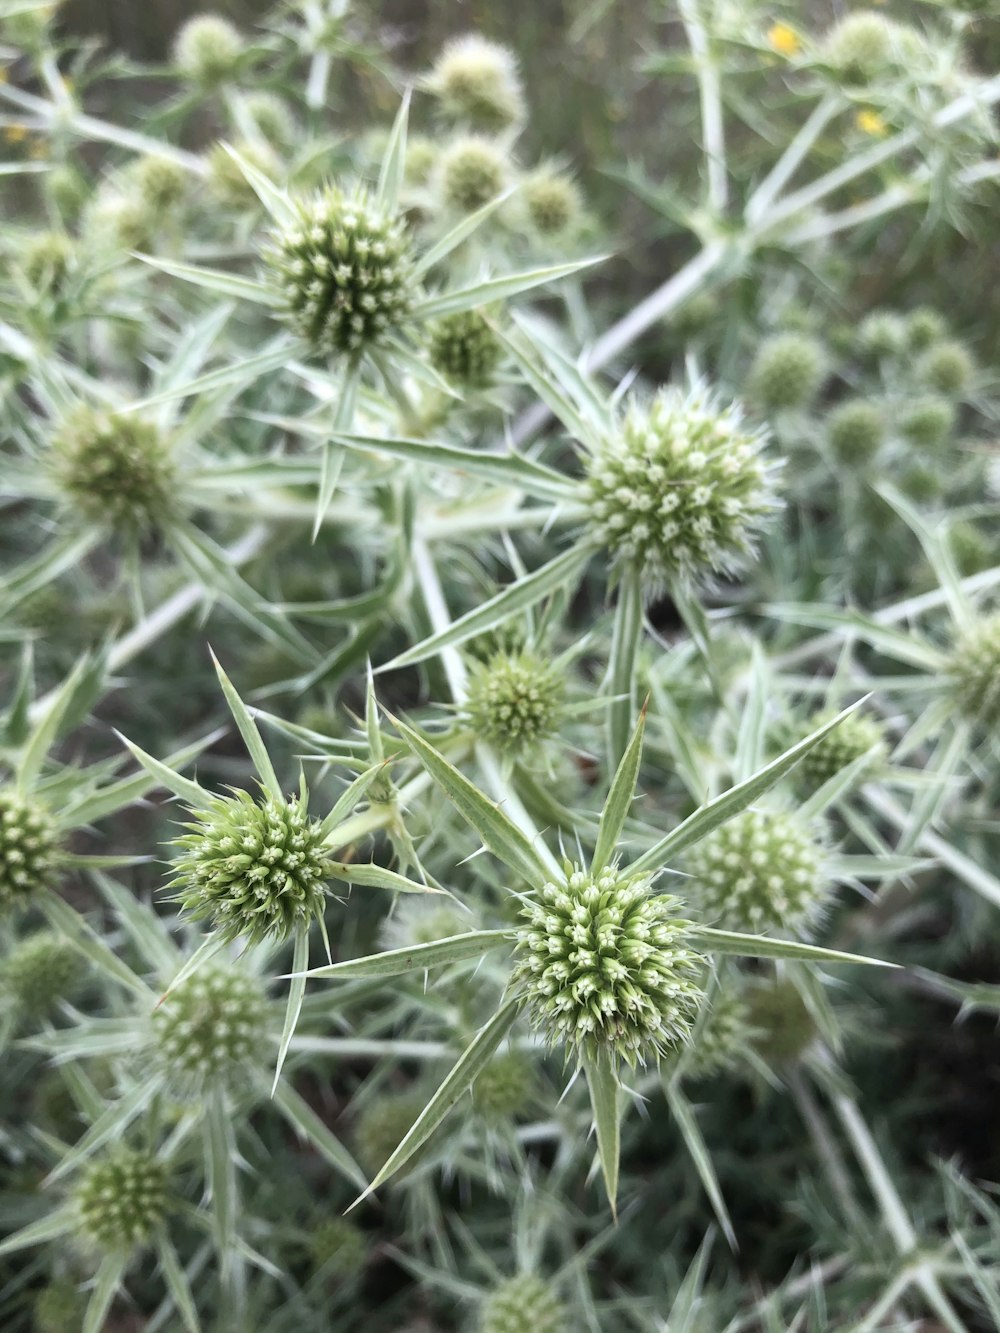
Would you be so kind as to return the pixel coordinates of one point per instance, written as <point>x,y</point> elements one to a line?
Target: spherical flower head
<point>758,872</point>
<point>504,1088</point>
<point>945,368</point>
<point>782,1026</point>
<point>122,1200</point>
<point>423,919</point>
<point>787,371</point>
<point>855,736</point>
<point>159,182</point>
<point>974,671</point>
<point>523,1304</point>
<point>604,966</point>
<point>118,217</point>
<point>928,422</point>
<point>476,82</point>
<point>922,482</point>
<point>681,490</point>
<point>207,49</point>
<point>471,172</point>
<point>464,349</point>
<point>856,430</point>
<point>881,334</point>
<point>211,1028</point>
<point>860,46</point>
<point>271,115</point>
<point>114,470</point>
<point>721,1037</point>
<point>421,158</point>
<point>59,1308</point>
<point>552,201</point>
<point>253,868</point>
<point>972,548</point>
<point>29,850</point>
<point>47,261</point>
<point>40,971</point>
<point>228,183</point>
<point>924,327</point>
<point>382,1127</point>
<point>338,1247</point>
<point>345,268</point>
<point>514,700</point>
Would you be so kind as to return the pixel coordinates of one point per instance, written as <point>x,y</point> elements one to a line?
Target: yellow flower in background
<point>16,133</point>
<point>870,122</point>
<point>783,39</point>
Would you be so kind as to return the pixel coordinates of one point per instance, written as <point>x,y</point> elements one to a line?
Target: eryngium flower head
<point>472,171</point>
<point>228,183</point>
<point>382,1127</point>
<point>59,1308</point>
<point>504,1088</point>
<point>924,326</point>
<point>974,669</point>
<point>758,872</point>
<point>114,470</point>
<point>122,1200</point>
<point>681,489</point>
<point>160,182</point>
<point>514,700</point>
<point>881,334</point>
<point>29,849</point>
<point>464,349</point>
<point>476,81</point>
<point>211,1027</point>
<point>857,735</point>
<point>254,869</point>
<point>523,1304</point>
<point>345,268</point>
<point>928,422</point>
<point>721,1037</point>
<point>781,1024</point>
<point>787,371</point>
<point>207,49</point>
<point>945,368</point>
<point>860,45</point>
<point>47,261</point>
<point>552,201</point>
<point>856,430</point>
<point>338,1247</point>
<point>40,971</point>
<point>604,966</point>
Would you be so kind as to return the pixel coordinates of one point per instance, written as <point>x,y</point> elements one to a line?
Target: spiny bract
<point>254,868</point>
<point>975,670</point>
<point>464,349</point>
<point>28,849</point>
<point>114,470</point>
<point>604,966</point>
<point>122,1199</point>
<point>523,1304</point>
<point>345,268</point>
<point>514,700</point>
<point>211,1027</point>
<point>682,488</point>
<point>758,872</point>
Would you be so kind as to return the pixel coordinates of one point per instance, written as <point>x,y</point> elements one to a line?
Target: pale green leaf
<point>619,800</point>
<point>602,1083</point>
<point>417,957</point>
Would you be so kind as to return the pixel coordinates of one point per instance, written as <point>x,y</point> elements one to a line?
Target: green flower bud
<point>604,966</point>
<point>552,201</point>
<point>464,349</point>
<point>923,328</point>
<point>849,740</point>
<point>421,158</point>
<point>228,183</point>
<point>972,549</point>
<point>382,1127</point>
<point>504,1088</point>
<point>856,431</point>
<point>59,1308</point>
<point>472,171</point>
<point>346,271</point>
<point>974,671</point>
<point>882,334</point>
<point>721,1037</point>
<point>114,470</point>
<point>254,869</point>
<point>29,850</point>
<point>338,1247</point>
<point>120,219</point>
<point>782,1026</point>
<point>67,189</point>
<point>922,482</point>
<point>514,700</point>
<point>523,1304</point>
<point>47,262</point>
<point>207,49</point>
<point>928,422</point>
<point>211,1028</point>
<point>40,971</point>
<point>122,1200</point>
<point>758,872</point>
<point>160,183</point>
<point>272,116</point>
<point>787,371</point>
<point>860,46</point>
<point>945,368</point>
<point>476,82</point>
<point>681,490</point>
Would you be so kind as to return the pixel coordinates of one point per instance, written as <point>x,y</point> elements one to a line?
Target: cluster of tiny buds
<point>759,871</point>
<point>255,869</point>
<point>122,1200</point>
<point>503,1089</point>
<point>464,349</point>
<point>345,269</point>
<point>604,966</point>
<point>514,700</point>
<point>28,849</point>
<point>476,82</point>
<point>523,1304</point>
<point>40,971</point>
<point>211,1027</point>
<point>855,736</point>
<point>681,489</point>
<point>974,670</point>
